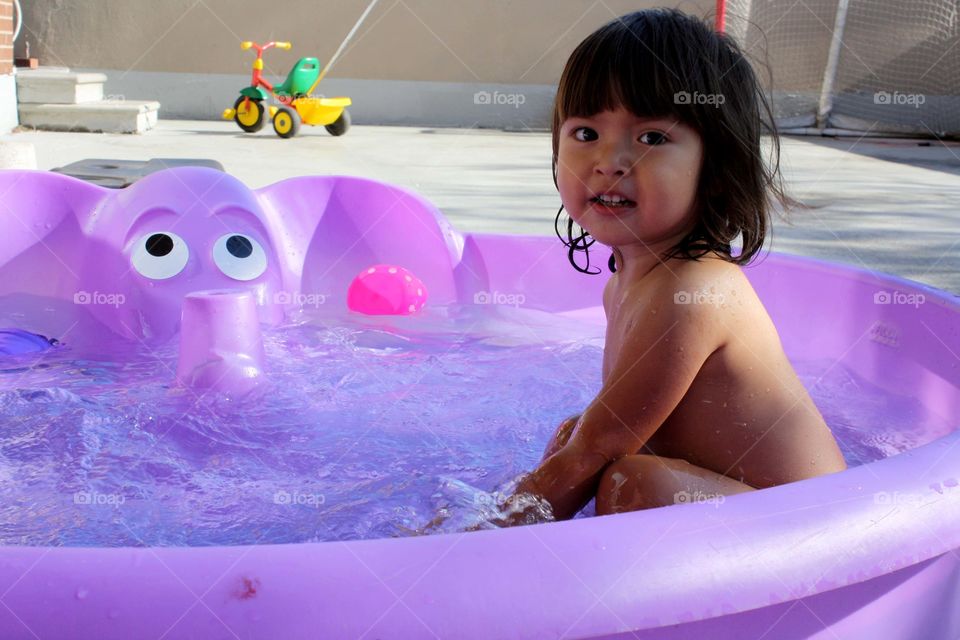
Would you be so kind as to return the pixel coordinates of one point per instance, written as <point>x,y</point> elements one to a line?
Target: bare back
<point>746,414</point>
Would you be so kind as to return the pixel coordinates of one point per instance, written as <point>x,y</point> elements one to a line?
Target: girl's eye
<point>585,134</point>
<point>653,138</point>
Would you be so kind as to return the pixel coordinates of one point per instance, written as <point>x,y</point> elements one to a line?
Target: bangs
<point>602,74</point>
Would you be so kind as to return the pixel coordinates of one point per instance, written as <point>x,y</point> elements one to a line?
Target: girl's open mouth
<point>613,202</point>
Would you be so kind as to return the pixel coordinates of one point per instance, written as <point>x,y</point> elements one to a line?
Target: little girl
<point>656,154</point>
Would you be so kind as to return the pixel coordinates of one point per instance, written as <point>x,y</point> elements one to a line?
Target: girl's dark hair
<point>663,63</point>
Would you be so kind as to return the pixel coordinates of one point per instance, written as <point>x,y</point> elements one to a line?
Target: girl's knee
<point>646,481</point>
<point>642,481</point>
<point>626,484</point>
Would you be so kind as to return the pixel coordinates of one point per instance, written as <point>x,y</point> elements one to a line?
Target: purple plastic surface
<point>867,553</point>
<point>220,345</point>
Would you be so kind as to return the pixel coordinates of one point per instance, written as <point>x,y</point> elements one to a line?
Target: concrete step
<point>106,116</point>
<point>58,85</point>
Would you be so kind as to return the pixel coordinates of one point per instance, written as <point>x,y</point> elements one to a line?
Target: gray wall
<point>417,62</point>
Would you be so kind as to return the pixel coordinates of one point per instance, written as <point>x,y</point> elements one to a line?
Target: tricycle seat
<point>301,77</point>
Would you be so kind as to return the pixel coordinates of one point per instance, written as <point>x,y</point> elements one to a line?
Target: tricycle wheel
<point>249,116</point>
<point>340,125</point>
<point>286,122</point>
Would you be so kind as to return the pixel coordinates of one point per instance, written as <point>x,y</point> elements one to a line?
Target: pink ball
<point>386,289</point>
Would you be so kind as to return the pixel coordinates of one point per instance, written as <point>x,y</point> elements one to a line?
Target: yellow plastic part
<point>320,111</point>
<point>258,64</point>
<point>273,111</point>
<point>248,116</point>
<point>246,44</point>
<point>283,122</point>
<point>282,45</point>
<point>228,114</point>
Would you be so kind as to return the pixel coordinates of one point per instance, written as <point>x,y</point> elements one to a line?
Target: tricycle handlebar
<point>248,44</point>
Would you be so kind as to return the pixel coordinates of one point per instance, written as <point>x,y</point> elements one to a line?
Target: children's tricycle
<point>294,95</point>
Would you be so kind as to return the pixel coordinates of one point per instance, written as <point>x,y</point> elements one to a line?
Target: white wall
<point>8,103</point>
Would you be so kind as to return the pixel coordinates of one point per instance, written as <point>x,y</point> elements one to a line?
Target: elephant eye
<point>239,256</point>
<point>160,255</point>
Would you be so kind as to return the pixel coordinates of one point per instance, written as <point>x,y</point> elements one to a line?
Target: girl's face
<point>629,181</point>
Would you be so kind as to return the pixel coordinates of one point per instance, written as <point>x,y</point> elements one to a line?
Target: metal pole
<point>16,31</point>
<point>343,44</point>
<point>833,59</point>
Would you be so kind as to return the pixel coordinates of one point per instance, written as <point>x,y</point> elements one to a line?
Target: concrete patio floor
<point>890,205</point>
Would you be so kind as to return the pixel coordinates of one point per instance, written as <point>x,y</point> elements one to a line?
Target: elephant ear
<point>43,216</point>
<point>365,222</point>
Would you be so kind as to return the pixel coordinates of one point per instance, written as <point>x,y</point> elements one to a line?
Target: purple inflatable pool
<point>867,553</point>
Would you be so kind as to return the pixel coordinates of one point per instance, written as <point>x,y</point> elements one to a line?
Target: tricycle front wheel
<point>248,114</point>
<point>340,125</point>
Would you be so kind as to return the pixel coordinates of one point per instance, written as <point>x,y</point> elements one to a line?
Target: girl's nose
<point>615,159</point>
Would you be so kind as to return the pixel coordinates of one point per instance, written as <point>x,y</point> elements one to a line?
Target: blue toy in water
<point>16,341</point>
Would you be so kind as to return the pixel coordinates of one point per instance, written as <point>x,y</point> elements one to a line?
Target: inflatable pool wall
<point>866,553</point>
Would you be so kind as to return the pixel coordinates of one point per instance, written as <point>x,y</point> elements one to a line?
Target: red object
<point>721,19</point>
<point>386,289</point>
<point>258,68</point>
<point>258,80</point>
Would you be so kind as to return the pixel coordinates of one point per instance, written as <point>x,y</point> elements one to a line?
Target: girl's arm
<point>658,362</point>
<point>561,436</point>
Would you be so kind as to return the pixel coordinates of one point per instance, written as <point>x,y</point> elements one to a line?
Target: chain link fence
<point>877,66</point>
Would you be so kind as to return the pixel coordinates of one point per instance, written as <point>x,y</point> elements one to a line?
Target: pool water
<point>365,428</point>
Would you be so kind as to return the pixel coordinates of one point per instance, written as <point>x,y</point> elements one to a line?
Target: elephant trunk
<point>221,347</point>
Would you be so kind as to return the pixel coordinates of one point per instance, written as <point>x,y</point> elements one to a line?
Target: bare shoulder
<point>713,294</point>
<point>711,286</point>
<point>708,275</point>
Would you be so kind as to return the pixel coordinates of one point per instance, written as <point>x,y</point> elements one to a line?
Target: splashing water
<point>363,430</point>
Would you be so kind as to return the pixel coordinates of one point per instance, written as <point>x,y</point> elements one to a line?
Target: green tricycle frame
<point>297,104</point>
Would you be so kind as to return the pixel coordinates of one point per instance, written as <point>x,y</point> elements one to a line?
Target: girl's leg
<point>646,481</point>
